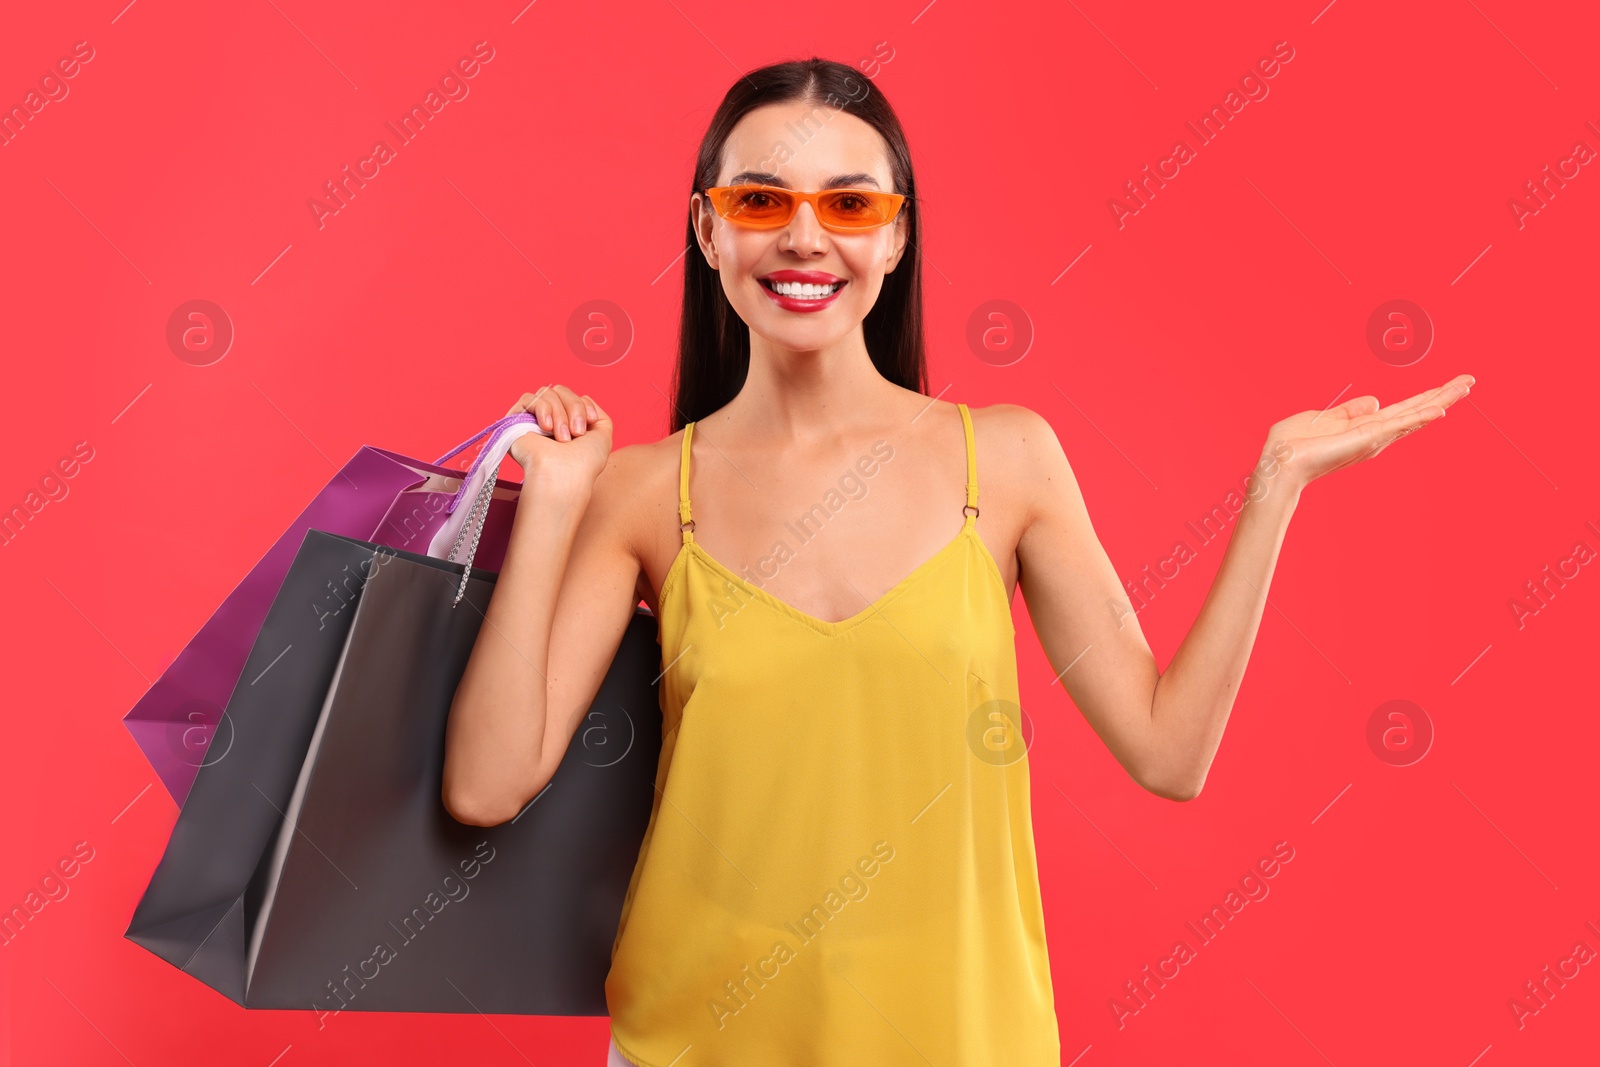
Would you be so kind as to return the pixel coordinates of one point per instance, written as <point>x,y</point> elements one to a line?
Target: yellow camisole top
<point>839,866</point>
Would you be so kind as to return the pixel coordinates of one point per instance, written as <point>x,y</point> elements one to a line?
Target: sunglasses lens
<point>757,207</point>
<point>854,209</point>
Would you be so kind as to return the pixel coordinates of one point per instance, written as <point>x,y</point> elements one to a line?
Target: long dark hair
<point>713,342</point>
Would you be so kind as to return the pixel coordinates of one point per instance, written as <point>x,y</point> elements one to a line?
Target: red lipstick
<point>802,303</point>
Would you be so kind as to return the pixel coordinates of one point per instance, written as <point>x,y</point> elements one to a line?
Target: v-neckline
<point>824,626</point>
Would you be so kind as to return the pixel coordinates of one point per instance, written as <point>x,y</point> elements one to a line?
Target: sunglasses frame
<point>717,195</point>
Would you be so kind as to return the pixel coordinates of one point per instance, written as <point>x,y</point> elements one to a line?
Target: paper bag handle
<point>477,485</point>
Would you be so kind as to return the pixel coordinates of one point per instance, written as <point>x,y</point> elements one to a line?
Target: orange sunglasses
<point>769,207</point>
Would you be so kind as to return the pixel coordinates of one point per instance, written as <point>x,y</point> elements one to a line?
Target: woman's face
<point>838,151</point>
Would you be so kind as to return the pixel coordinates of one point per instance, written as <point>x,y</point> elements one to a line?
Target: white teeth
<point>804,291</point>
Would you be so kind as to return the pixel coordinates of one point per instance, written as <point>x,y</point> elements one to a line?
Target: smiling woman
<point>868,692</point>
<point>822,712</point>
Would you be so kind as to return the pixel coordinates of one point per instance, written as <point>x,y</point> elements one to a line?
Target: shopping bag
<point>377,495</point>
<point>313,865</point>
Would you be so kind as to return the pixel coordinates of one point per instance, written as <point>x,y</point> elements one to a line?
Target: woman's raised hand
<point>579,440</point>
<point>1320,442</point>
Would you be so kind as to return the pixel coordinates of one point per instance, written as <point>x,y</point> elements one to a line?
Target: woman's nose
<point>805,233</point>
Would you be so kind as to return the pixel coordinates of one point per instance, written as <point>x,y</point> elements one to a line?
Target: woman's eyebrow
<point>839,181</point>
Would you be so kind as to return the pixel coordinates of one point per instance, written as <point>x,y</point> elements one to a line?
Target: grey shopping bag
<point>313,865</point>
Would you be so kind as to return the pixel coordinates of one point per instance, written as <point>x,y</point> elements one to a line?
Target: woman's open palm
<point>1324,441</point>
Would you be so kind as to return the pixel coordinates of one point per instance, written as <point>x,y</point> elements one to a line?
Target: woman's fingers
<point>1388,431</point>
<point>1415,403</point>
<point>578,413</point>
<point>1351,409</point>
<point>544,409</point>
<point>1442,396</point>
<point>561,413</point>
<point>567,409</point>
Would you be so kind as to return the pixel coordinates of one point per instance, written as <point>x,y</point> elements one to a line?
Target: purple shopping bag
<point>378,496</point>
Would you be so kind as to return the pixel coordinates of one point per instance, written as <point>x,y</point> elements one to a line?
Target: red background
<point>1419,899</point>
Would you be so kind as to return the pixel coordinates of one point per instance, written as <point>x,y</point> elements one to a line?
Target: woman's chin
<point>801,331</point>
<point>811,339</point>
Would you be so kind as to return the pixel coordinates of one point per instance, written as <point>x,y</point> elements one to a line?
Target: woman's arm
<point>1165,727</point>
<point>1195,694</point>
<point>527,683</point>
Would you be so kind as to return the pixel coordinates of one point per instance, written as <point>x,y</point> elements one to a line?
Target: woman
<point>839,865</point>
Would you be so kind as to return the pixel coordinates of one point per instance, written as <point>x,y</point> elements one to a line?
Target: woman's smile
<point>802,290</point>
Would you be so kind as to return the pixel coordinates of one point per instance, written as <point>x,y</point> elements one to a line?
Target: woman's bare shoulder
<point>638,492</point>
<point>1015,439</point>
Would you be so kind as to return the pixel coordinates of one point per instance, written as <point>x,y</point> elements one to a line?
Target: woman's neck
<point>800,395</point>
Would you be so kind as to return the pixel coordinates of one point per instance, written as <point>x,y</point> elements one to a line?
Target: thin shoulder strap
<point>685,519</point>
<point>972,466</point>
